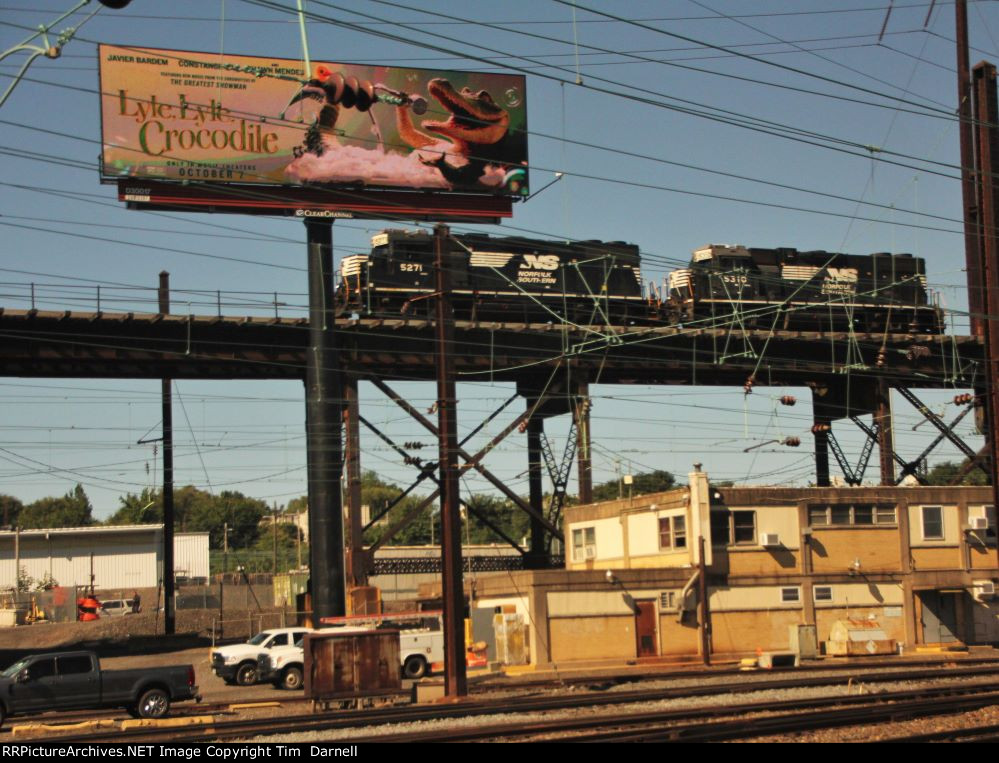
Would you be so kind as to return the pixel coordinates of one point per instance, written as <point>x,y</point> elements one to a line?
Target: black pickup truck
<point>74,681</point>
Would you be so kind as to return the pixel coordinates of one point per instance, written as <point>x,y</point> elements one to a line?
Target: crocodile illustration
<point>477,129</point>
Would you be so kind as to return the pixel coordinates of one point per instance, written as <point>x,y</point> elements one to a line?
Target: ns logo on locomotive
<point>521,280</point>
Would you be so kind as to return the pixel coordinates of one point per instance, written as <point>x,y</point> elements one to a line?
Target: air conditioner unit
<point>590,552</point>
<point>978,523</point>
<point>769,540</point>
<point>983,589</point>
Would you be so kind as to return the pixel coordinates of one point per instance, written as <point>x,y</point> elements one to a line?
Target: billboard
<point>171,115</point>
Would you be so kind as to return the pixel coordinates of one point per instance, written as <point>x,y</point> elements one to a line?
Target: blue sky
<point>638,166</point>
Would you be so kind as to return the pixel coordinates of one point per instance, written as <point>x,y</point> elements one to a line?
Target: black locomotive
<point>522,280</point>
<point>498,279</point>
<point>785,289</point>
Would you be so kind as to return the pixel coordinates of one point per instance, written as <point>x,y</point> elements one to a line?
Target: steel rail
<point>701,724</point>
<point>904,671</point>
<point>409,713</point>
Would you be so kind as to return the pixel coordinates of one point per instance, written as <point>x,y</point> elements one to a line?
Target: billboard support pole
<point>324,415</point>
<point>455,667</point>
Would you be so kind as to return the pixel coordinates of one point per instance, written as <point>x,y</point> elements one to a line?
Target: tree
<point>10,509</point>
<point>501,512</point>
<point>146,508</point>
<point>72,510</point>
<point>649,482</point>
<point>945,472</point>
<point>378,495</point>
<point>207,513</point>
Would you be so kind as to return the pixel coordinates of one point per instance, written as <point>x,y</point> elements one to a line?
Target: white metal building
<point>124,556</point>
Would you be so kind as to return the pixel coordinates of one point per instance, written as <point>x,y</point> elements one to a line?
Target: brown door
<point>645,628</point>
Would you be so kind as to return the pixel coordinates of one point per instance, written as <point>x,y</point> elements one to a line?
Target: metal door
<point>77,682</point>
<point>939,617</point>
<point>36,692</point>
<point>645,628</point>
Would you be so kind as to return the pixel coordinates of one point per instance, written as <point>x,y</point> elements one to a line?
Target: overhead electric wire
<point>634,55</point>
<point>942,110</point>
<point>752,123</point>
<point>840,64</point>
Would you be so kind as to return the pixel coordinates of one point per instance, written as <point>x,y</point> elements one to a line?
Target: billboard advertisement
<point>171,115</point>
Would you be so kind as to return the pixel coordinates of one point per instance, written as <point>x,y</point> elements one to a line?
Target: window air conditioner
<point>984,589</point>
<point>590,552</point>
<point>978,523</point>
<point>770,540</point>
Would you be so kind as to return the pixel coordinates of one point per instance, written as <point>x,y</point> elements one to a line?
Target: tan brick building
<point>920,561</point>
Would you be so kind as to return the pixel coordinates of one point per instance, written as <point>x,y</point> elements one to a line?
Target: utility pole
<point>455,667</point>
<point>972,211</point>
<point>987,144</point>
<point>274,524</point>
<point>169,614</point>
<point>702,594</point>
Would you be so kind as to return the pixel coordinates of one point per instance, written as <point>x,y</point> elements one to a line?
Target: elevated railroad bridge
<point>552,365</point>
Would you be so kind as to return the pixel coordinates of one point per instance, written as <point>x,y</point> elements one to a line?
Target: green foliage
<point>24,581</point>
<point>649,482</point>
<point>945,472</point>
<point>198,511</point>
<point>379,495</point>
<point>143,509</point>
<point>10,509</point>
<point>71,510</point>
<point>241,513</point>
<point>500,512</point>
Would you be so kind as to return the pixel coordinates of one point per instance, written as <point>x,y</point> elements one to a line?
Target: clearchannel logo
<point>332,213</point>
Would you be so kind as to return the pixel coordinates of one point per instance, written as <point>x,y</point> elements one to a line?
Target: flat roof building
<point>919,561</point>
<point>118,556</point>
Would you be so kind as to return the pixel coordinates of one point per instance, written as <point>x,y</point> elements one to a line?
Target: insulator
<point>881,359</point>
<point>964,399</point>
<point>747,388</point>
<point>522,427</point>
<point>432,408</point>
<point>918,351</point>
<point>818,428</point>
<point>412,445</point>
<point>792,442</point>
<point>788,400</point>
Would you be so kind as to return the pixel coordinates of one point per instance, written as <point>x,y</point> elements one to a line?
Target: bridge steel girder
<point>473,462</point>
<point>68,344</point>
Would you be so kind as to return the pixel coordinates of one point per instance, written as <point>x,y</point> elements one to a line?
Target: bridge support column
<point>324,448</point>
<point>581,413</point>
<point>356,561</point>
<point>886,436</point>
<point>535,431</point>
<point>820,430</point>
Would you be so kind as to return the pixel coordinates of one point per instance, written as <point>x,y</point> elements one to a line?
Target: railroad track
<point>976,734</point>
<point>230,729</point>
<point>704,725</point>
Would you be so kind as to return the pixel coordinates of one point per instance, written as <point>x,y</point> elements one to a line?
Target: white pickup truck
<point>419,649</point>
<point>237,663</point>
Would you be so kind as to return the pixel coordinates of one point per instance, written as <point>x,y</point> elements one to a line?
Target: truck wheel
<point>247,674</point>
<point>292,678</point>
<point>414,666</point>
<point>154,703</point>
